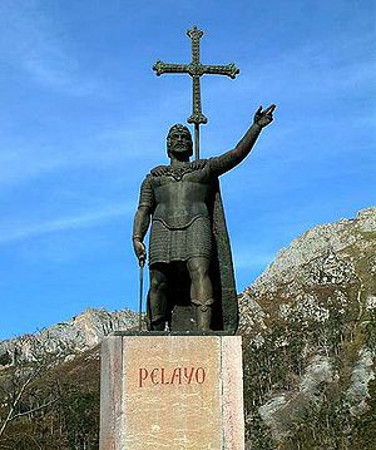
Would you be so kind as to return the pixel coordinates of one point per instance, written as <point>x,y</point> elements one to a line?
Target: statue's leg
<point>157,299</point>
<point>201,290</point>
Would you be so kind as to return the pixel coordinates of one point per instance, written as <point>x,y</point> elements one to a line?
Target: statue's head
<point>179,140</point>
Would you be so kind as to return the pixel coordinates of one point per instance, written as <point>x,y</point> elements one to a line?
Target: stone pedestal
<point>171,392</point>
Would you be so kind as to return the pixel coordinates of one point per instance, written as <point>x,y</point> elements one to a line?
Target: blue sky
<point>83,118</point>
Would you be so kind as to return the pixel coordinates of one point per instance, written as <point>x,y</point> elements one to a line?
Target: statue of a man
<point>189,232</point>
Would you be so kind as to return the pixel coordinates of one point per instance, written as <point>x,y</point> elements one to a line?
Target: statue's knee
<point>198,271</point>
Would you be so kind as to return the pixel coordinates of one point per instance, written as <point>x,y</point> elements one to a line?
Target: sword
<point>142,263</point>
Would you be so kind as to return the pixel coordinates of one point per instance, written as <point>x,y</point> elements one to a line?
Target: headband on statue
<point>178,127</point>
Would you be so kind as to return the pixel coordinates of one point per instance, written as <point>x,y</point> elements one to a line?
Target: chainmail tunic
<point>168,245</point>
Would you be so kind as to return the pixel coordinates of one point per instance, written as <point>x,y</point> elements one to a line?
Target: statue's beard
<point>180,150</point>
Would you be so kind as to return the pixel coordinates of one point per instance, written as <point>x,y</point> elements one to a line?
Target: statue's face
<point>180,142</point>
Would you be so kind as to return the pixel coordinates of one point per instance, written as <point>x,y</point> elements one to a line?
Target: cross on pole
<point>195,69</point>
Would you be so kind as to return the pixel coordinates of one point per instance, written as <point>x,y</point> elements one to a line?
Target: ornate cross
<point>195,69</point>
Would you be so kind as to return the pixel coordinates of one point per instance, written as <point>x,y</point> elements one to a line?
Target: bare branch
<point>15,403</point>
<point>31,411</point>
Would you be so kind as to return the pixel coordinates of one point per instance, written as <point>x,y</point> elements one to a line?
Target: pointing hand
<point>264,118</point>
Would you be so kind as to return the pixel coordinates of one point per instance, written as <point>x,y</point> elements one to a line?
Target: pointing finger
<point>270,109</point>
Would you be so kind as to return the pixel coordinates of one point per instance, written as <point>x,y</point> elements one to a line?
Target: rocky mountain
<point>309,327</point>
<point>309,339</point>
<point>82,333</point>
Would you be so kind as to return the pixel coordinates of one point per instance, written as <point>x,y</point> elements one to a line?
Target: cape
<point>222,275</point>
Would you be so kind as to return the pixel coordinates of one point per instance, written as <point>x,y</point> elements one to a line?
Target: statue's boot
<point>156,317</point>
<point>159,326</point>
<point>156,324</point>
<point>204,315</point>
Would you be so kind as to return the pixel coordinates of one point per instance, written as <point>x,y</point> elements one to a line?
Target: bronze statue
<point>192,283</point>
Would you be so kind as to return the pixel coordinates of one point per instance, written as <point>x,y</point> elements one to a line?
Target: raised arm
<point>230,159</point>
<point>142,220</point>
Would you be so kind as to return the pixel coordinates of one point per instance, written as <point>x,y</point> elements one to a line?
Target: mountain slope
<point>309,327</point>
<point>68,338</point>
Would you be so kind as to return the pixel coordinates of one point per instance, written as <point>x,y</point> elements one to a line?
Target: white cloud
<point>29,41</point>
<point>17,232</point>
<point>318,69</point>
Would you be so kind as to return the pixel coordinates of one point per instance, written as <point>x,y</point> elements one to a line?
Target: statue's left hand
<point>264,118</point>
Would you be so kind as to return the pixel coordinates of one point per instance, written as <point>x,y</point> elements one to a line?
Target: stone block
<point>171,392</point>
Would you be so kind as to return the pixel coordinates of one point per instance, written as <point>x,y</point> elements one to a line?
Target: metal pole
<point>197,140</point>
<point>142,262</point>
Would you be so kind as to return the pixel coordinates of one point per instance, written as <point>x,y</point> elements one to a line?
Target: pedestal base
<point>171,392</point>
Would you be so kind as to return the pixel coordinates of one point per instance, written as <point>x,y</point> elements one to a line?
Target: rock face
<point>309,327</point>
<point>82,333</point>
